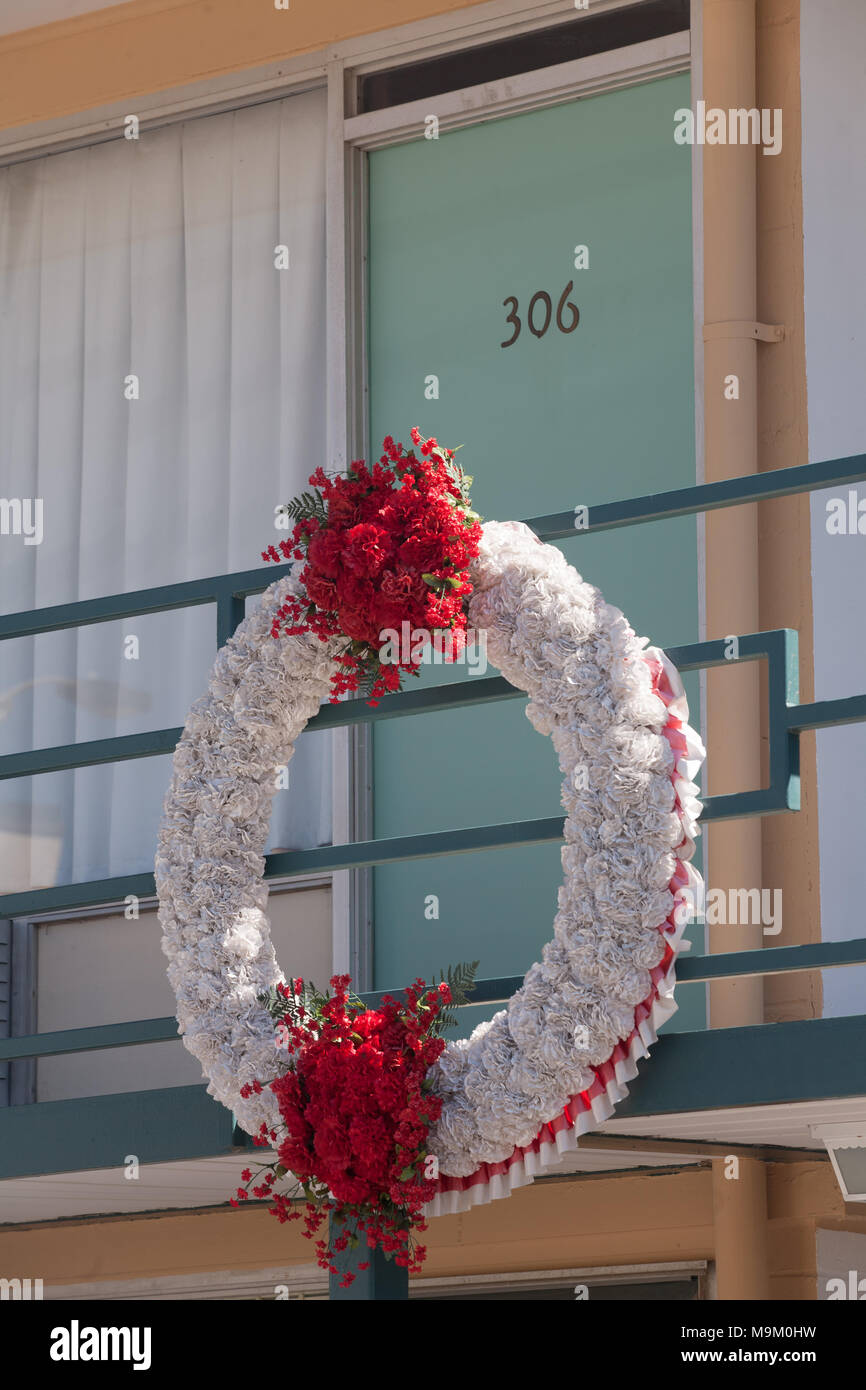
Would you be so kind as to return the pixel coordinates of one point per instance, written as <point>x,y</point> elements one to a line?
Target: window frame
<point>307,1283</point>
<point>19,1085</point>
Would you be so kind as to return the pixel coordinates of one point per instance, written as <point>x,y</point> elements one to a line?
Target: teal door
<point>465,231</point>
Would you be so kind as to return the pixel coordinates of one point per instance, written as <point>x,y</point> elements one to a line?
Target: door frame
<point>608,71</point>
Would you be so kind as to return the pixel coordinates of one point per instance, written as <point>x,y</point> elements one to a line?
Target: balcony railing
<point>813,1059</point>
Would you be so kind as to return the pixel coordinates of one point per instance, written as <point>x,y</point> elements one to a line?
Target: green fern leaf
<point>460,979</point>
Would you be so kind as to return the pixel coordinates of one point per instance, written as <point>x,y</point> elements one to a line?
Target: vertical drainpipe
<point>731,450</point>
<point>733,693</point>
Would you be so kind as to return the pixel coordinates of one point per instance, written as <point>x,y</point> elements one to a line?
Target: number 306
<point>541,297</point>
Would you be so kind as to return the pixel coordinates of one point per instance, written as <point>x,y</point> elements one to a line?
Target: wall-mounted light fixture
<point>846,1145</point>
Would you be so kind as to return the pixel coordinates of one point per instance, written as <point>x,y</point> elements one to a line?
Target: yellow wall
<point>551,1225</point>
<point>624,1219</point>
<point>151,45</point>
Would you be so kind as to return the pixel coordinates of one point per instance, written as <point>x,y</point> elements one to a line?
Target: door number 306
<point>567,314</point>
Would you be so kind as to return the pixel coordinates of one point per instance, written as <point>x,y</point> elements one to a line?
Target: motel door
<point>530,297</point>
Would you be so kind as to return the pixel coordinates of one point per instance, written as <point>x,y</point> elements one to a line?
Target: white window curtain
<point>154,259</point>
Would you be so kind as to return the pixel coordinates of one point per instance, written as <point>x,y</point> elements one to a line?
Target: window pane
<point>119,973</point>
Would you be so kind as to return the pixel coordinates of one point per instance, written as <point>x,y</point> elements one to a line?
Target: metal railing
<point>845,1038</point>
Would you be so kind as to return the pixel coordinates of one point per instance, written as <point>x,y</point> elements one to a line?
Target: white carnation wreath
<point>553,1064</point>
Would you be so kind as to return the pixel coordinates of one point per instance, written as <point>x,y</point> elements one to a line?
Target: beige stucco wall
<point>552,1225</point>
<point>627,1219</point>
<point>151,45</point>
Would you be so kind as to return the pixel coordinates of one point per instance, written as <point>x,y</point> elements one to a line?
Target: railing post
<point>382,1280</point>
<point>231,610</point>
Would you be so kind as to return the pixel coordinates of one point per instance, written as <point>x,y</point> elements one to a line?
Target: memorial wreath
<point>380,1119</point>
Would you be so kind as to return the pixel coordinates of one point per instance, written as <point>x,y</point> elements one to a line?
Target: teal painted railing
<point>809,1060</point>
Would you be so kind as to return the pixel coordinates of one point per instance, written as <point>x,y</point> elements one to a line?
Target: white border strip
<point>308,1281</point>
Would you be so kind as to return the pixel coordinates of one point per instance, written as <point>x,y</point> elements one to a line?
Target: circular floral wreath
<point>519,1091</point>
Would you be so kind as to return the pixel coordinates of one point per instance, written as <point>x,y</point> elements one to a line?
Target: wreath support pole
<point>382,1280</point>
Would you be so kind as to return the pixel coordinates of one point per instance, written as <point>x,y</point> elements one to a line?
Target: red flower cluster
<point>357,1108</point>
<point>383,546</point>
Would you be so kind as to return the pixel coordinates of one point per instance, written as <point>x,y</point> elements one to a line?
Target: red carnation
<point>322,591</point>
<point>367,549</point>
<point>402,586</point>
<point>420,552</point>
<point>326,549</point>
<point>332,1142</point>
<point>344,507</point>
<point>356,624</point>
<point>368,539</point>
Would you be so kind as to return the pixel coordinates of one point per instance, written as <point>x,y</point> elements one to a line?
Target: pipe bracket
<point>744,328</point>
